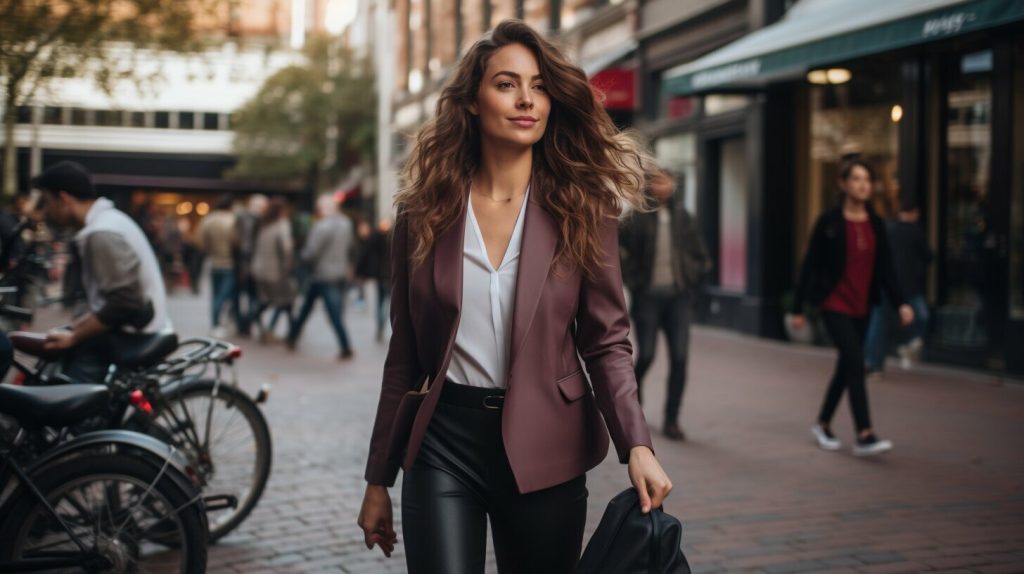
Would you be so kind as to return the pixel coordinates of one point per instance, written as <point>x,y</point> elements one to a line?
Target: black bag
<point>627,541</point>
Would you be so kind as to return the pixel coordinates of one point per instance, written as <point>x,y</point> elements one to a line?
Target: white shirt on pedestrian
<point>482,342</point>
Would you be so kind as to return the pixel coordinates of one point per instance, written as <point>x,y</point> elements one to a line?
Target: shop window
<point>716,104</point>
<point>678,154</point>
<point>733,205</point>
<point>858,118</point>
<point>1017,189</point>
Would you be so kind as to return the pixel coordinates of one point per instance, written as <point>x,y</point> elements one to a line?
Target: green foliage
<point>281,133</point>
<point>99,39</point>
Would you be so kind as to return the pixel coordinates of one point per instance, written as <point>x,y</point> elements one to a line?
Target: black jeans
<point>848,335</point>
<point>669,310</point>
<point>462,477</point>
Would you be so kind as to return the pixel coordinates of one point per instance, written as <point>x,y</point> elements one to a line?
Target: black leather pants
<point>461,478</point>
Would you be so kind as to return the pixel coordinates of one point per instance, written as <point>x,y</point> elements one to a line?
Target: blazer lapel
<point>448,266</point>
<point>540,237</point>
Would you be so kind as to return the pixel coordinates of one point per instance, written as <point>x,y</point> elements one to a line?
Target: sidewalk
<point>753,492</point>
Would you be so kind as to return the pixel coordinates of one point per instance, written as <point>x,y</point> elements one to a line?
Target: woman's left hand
<point>650,480</point>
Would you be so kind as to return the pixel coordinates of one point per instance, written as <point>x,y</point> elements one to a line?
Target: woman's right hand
<point>376,520</point>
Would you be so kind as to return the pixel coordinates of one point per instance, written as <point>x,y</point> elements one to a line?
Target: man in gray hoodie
<point>328,251</point>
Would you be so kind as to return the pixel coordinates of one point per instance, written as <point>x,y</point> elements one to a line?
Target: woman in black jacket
<point>847,265</point>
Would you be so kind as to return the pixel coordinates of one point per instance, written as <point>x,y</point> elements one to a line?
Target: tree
<point>281,133</point>
<point>45,39</point>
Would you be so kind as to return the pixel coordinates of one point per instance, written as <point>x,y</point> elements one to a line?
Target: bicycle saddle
<point>32,344</point>
<point>141,351</point>
<point>57,406</point>
<point>128,350</point>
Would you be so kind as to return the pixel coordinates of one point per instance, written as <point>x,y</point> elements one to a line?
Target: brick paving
<point>753,492</point>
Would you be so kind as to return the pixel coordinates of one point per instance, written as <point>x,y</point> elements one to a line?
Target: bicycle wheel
<point>130,515</point>
<point>222,432</point>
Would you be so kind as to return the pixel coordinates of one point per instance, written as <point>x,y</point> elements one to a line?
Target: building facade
<point>170,144</point>
<point>929,92</point>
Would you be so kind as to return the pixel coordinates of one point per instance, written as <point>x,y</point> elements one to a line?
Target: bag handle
<point>655,549</point>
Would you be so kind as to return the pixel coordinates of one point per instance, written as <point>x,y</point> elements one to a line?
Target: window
<point>678,154</point>
<point>1017,199</point>
<point>186,120</point>
<point>136,119</point>
<point>23,115</point>
<point>53,115</point>
<point>161,119</point>
<point>79,117</point>
<point>211,121</point>
<point>733,205</point>
<point>858,118</point>
<point>108,118</point>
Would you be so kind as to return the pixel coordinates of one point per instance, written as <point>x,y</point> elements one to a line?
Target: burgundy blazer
<point>554,420</point>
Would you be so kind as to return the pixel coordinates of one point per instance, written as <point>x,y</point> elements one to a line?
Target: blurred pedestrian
<point>217,238</point>
<point>506,276</point>
<point>373,263</point>
<point>364,234</point>
<point>245,302</point>
<point>192,255</point>
<point>328,250</point>
<point>663,260</point>
<point>911,256</point>
<point>847,265</point>
<point>272,264</point>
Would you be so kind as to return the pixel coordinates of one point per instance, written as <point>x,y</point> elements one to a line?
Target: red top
<point>851,296</point>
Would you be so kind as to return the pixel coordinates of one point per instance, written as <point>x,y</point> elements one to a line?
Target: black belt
<point>472,397</point>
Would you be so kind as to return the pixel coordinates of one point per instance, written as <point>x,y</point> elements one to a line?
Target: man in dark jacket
<point>663,259</point>
<point>911,257</point>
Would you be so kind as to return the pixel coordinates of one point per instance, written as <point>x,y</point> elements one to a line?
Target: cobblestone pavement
<point>753,492</point>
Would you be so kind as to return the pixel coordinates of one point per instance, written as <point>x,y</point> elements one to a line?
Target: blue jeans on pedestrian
<point>223,289</point>
<point>332,293</point>
<point>919,327</point>
<point>875,343</point>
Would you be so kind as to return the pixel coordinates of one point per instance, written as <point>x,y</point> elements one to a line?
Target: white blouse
<point>482,342</point>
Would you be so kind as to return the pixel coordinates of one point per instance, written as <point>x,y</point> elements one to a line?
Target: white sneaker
<point>825,438</point>
<point>219,333</point>
<point>904,353</point>
<point>871,446</point>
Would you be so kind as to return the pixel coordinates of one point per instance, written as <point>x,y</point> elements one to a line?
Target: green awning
<point>818,32</point>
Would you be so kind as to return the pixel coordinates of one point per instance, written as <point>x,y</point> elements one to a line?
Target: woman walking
<point>272,261</point>
<point>505,265</point>
<point>847,265</point>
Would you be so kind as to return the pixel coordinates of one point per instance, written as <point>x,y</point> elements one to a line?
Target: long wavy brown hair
<point>584,168</point>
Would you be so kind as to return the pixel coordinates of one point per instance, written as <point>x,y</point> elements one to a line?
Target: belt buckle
<point>499,398</point>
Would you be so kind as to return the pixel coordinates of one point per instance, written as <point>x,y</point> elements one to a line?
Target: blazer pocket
<point>573,386</point>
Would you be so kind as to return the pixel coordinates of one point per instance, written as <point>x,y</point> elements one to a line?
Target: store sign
<point>617,87</point>
<point>946,25</point>
<point>727,74</point>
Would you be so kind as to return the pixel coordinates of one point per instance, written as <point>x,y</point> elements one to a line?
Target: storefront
<point>931,92</point>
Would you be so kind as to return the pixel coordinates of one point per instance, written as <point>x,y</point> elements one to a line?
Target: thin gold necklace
<point>507,200</point>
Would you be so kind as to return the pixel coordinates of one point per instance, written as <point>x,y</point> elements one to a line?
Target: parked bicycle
<point>186,395</point>
<point>104,501</point>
